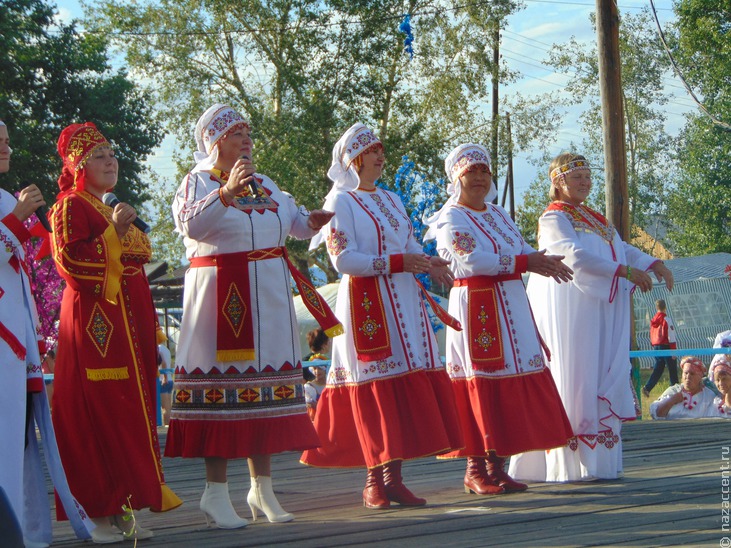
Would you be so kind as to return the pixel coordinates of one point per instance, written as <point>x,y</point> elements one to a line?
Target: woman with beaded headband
<point>586,324</point>
<point>23,402</point>
<point>496,363</point>
<point>106,365</point>
<point>238,378</point>
<point>387,397</point>
<point>690,399</point>
<point>720,373</point>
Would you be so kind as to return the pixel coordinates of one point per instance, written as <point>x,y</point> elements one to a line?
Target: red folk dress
<point>106,367</point>
<point>387,396</point>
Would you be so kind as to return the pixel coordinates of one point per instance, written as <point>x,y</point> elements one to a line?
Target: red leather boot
<point>476,481</point>
<point>396,491</point>
<point>374,494</point>
<point>498,476</point>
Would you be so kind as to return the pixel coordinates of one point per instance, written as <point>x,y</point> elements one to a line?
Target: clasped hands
<point>436,267</point>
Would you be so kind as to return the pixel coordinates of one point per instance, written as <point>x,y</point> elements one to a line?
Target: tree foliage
<point>53,76</point>
<point>305,70</point>
<point>649,147</point>
<point>700,205</point>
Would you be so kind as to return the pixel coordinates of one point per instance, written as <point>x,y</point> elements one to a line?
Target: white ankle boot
<point>105,532</point>
<point>130,528</point>
<point>261,497</point>
<point>216,505</point>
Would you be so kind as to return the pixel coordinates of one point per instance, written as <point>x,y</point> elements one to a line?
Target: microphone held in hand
<point>252,184</point>
<point>111,200</point>
<point>42,214</point>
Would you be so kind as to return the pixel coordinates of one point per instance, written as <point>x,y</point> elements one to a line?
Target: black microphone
<point>252,184</point>
<point>111,200</point>
<point>42,214</point>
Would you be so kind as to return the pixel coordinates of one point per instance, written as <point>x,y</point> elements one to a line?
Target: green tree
<point>650,167</point>
<point>703,51</point>
<point>304,70</point>
<point>53,76</point>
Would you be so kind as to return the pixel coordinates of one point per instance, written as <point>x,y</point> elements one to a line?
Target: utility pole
<point>509,182</point>
<point>495,83</point>
<point>610,86</point>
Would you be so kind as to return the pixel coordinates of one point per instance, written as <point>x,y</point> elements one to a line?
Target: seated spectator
<point>688,400</point>
<point>315,376</point>
<point>720,372</point>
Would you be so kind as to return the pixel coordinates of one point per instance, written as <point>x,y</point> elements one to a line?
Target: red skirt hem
<point>398,418</point>
<point>240,438</point>
<point>510,415</point>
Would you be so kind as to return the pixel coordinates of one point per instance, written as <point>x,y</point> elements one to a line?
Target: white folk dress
<point>586,324</point>
<point>398,407</point>
<point>21,473</point>
<point>239,408</point>
<point>496,362</point>
<point>704,404</point>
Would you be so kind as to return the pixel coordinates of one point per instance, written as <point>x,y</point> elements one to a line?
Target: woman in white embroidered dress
<point>496,362</point>
<point>691,399</point>
<point>23,402</point>
<point>387,397</point>
<point>586,324</point>
<point>238,377</point>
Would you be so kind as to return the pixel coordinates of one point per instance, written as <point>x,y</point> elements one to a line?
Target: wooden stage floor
<point>672,495</point>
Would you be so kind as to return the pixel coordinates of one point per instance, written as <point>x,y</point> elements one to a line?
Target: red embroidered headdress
<point>76,144</point>
<point>694,364</point>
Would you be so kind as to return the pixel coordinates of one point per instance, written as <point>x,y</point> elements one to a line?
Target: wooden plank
<point>670,495</point>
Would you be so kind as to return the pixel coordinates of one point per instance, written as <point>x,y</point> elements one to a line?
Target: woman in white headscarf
<point>506,398</point>
<point>238,379</point>
<point>387,397</point>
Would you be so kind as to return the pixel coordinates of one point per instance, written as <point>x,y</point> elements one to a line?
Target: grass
<point>660,387</point>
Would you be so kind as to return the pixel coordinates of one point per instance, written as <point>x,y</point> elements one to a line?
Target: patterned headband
<point>695,364</point>
<point>360,141</point>
<point>573,165</point>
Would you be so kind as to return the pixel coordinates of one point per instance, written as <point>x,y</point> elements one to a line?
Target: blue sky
<point>526,40</point>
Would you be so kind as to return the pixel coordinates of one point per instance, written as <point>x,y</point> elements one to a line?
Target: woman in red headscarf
<point>106,367</point>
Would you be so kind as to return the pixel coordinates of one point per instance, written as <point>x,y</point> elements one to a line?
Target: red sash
<point>483,321</point>
<point>234,326</point>
<point>368,317</point>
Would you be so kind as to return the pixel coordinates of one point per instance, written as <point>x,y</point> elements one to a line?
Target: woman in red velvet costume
<point>106,366</point>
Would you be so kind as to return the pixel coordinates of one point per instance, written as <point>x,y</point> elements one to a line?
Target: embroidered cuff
<point>16,227</point>
<point>521,264</point>
<point>396,263</point>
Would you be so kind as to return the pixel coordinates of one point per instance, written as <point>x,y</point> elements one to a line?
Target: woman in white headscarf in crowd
<point>238,379</point>
<point>387,397</point>
<point>586,324</point>
<point>506,398</point>
<point>720,373</point>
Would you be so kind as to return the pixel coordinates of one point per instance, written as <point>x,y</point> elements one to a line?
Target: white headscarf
<point>211,126</point>
<point>722,361</point>
<point>457,162</point>
<point>342,173</point>
<point>10,150</point>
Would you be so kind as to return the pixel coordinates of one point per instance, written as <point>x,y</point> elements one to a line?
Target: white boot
<point>216,505</point>
<point>104,532</point>
<point>130,528</point>
<point>261,497</point>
